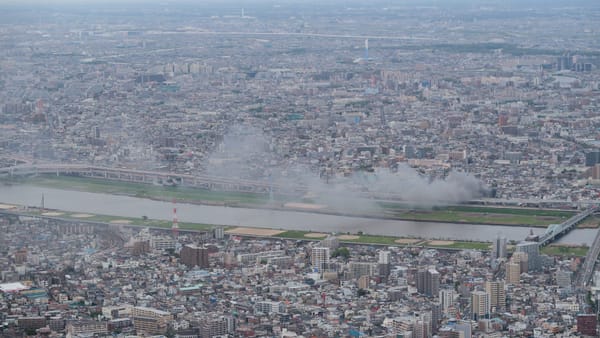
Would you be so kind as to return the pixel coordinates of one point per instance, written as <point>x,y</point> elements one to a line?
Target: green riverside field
<point>359,238</point>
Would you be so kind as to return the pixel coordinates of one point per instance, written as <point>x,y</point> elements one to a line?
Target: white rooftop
<point>12,287</point>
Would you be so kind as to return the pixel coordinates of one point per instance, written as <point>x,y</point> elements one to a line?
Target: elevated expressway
<point>590,261</point>
<point>151,177</point>
<point>555,231</point>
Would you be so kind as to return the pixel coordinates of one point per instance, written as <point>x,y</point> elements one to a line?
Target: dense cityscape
<point>333,106</point>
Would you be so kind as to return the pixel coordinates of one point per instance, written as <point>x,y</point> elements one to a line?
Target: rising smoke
<point>247,153</point>
<point>407,184</point>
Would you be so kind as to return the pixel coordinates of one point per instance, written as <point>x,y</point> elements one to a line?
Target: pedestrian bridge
<point>555,231</point>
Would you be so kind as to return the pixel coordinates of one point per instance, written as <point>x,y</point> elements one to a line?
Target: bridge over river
<point>153,177</point>
<point>555,231</point>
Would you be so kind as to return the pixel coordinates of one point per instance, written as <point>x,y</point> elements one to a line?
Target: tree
<point>343,252</point>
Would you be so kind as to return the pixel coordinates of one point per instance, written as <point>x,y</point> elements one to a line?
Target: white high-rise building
<point>384,257</point>
<point>447,297</point>
<point>319,257</point>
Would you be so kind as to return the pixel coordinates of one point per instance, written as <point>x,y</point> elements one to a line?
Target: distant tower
<point>366,49</point>
<point>499,247</point>
<point>175,227</point>
<point>243,16</point>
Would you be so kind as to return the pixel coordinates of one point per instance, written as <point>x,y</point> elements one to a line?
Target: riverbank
<point>460,214</point>
<point>344,238</point>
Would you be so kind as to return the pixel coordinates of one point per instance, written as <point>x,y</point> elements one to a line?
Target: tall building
<point>331,242</point>
<point>21,256</point>
<point>428,282</point>
<point>495,290</point>
<point>359,269</point>
<point>319,257</point>
<point>436,317</point>
<point>162,243</point>
<point>592,158</point>
<point>513,273</point>
<point>563,278</point>
<point>363,282</point>
<point>421,328</point>
<point>480,304</point>
<point>219,233</point>
<point>420,280</point>
<point>88,328</point>
<point>464,329</point>
<point>140,247</point>
<point>384,257</point>
<point>432,284</point>
<point>211,326</point>
<point>383,264</point>
<point>269,307</point>
<point>521,258</point>
<point>586,324</point>
<point>150,321</point>
<point>595,172</point>
<point>532,249</point>
<point>564,62</point>
<point>499,248</point>
<point>192,256</point>
<point>447,297</point>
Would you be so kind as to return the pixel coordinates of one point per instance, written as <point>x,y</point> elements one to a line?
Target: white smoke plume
<point>246,153</point>
<point>408,185</point>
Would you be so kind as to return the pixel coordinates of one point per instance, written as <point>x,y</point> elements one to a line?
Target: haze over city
<point>417,168</point>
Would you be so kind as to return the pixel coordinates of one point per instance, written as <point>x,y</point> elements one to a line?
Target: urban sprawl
<point>429,105</point>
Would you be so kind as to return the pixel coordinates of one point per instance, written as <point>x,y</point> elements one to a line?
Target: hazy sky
<point>440,3</point>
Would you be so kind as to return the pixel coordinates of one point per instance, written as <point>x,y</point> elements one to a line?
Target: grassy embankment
<point>144,190</point>
<point>560,250</point>
<point>141,221</point>
<point>481,215</point>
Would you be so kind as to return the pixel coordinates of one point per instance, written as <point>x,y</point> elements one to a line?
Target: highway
<point>556,231</point>
<point>589,263</point>
<point>152,177</point>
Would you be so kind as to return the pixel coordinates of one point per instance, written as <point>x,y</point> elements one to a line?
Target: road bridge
<point>555,231</point>
<point>153,177</point>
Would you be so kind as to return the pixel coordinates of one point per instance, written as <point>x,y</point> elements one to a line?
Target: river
<point>125,206</point>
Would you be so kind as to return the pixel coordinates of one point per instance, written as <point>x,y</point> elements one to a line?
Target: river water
<point>125,206</point>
